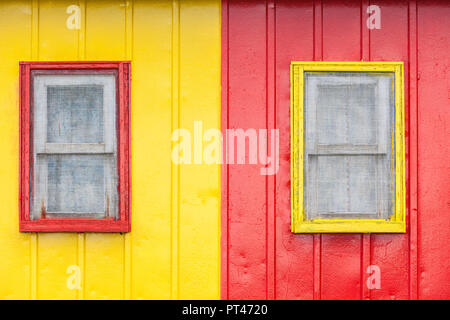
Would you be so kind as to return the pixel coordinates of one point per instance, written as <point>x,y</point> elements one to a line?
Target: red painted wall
<point>261,258</point>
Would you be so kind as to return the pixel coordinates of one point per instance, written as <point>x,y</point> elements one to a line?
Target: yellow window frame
<point>299,223</point>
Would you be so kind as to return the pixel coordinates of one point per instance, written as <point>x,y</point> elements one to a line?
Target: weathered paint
<point>173,249</point>
<point>261,258</point>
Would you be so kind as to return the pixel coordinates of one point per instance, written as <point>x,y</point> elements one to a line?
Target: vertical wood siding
<point>173,249</point>
<point>261,258</point>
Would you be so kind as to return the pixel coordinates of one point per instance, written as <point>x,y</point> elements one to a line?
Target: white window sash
<point>314,149</point>
<point>41,82</point>
<point>42,149</point>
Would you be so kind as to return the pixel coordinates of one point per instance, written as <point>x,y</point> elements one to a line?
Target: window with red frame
<point>74,146</point>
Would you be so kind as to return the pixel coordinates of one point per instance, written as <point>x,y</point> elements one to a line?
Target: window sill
<point>74,225</point>
<point>349,226</point>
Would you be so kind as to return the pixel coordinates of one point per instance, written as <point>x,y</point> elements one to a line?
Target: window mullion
<point>71,148</point>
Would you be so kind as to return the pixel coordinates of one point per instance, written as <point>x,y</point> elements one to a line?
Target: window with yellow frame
<point>347,147</point>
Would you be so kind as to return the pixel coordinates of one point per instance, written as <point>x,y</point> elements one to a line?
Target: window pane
<point>349,163</point>
<point>346,184</point>
<point>74,146</point>
<point>76,183</point>
<point>346,114</point>
<point>75,114</point>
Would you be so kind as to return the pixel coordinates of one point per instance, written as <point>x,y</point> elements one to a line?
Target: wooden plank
<point>340,272</point>
<point>270,125</point>
<point>199,219</point>
<point>55,252</point>
<point>175,169</point>
<point>104,40</point>
<point>247,188</point>
<point>224,174</point>
<point>413,149</point>
<point>317,238</point>
<point>433,44</point>
<point>16,280</point>
<point>390,252</point>
<point>292,250</point>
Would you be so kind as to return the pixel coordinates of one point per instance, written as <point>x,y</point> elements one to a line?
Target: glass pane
<point>346,114</point>
<point>75,114</point>
<point>346,184</point>
<point>349,151</point>
<point>76,183</point>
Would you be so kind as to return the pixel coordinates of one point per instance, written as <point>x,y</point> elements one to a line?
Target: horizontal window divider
<point>338,149</point>
<point>348,153</point>
<point>74,148</point>
<point>73,153</point>
<point>349,213</point>
<point>56,215</point>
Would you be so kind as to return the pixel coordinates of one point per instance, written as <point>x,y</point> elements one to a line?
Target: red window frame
<point>123,79</point>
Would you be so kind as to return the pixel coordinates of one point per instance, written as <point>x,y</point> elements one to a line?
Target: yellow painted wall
<point>173,249</point>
